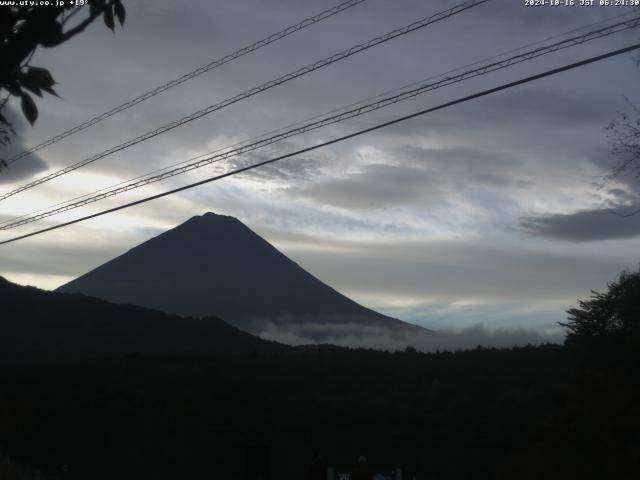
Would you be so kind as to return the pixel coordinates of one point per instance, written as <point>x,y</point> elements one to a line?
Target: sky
<point>492,212</point>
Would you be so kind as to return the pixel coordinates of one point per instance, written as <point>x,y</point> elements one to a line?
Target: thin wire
<point>457,69</point>
<point>184,78</point>
<point>632,213</point>
<point>300,122</point>
<point>364,109</point>
<point>387,92</point>
<point>483,93</point>
<point>254,91</point>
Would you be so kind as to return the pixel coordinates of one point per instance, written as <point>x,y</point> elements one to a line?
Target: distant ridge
<point>215,265</point>
<point>37,325</point>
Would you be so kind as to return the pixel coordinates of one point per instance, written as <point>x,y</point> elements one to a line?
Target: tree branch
<point>84,24</point>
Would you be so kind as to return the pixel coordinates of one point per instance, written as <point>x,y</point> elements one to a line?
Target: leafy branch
<point>24,29</point>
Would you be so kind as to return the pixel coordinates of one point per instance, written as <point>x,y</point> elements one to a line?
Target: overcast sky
<point>487,212</point>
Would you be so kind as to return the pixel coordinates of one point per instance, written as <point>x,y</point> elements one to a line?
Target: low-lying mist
<point>352,335</point>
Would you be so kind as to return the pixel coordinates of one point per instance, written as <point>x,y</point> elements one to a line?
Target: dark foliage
<point>521,413</point>
<point>610,318</point>
<point>43,326</point>
<point>24,28</point>
<point>624,137</point>
<point>526,413</point>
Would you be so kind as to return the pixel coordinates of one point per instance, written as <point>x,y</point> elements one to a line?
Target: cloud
<point>414,175</point>
<point>547,105</point>
<point>67,260</point>
<point>584,226</point>
<point>381,339</point>
<point>303,168</point>
<point>517,118</point>
<point>376,186</point>
<point>535,19</point>
<point>452,269</point>
<point>439,192</point>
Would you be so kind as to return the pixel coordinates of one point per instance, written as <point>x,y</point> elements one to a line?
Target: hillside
<point>528,413</point>
<point>40,325</point>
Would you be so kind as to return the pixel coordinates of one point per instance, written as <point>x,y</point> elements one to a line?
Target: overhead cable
<point>254,91</point>
<point>188,76</point>
<point>328,120</point>
<point>483,93</point>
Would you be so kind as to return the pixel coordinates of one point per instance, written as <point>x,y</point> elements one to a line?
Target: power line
<point>329,120</point>
<point>300,122</point>
<point>188,76</point>
<point>477,62</point>
<point>259,89</point>
<point>483,93</point>
<point>86,199</point>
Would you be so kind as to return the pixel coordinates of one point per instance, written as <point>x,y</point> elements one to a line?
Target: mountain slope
<point>215,265</point>
<point>37,325</point>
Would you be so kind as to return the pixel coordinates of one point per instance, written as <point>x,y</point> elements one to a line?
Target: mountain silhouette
<point>37,325</point>
<point>215,265</point>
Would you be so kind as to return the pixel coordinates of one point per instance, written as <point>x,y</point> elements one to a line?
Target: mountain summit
<point>215,265</point>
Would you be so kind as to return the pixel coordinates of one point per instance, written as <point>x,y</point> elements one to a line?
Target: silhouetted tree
<point>624,138</point>
<point>23,29</point>
<point>117,403</point>
<point>610,316</point>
